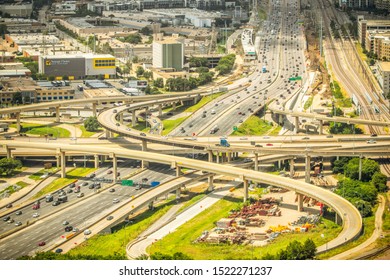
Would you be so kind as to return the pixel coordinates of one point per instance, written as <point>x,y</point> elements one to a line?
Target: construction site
<point>264,219</point>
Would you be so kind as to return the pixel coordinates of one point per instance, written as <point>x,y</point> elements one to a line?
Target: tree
<point>338,166</point>
<point>145,31</point>
<point>148,75</point>
<point>159,82</point>
<point>140,71</point>
<point>91,124</point>
<point>309,249</point>
<point>8,165</point>
<point>369,167</point>
<point>379,181</point>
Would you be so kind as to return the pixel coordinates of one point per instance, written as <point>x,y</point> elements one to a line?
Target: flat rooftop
<point>385,66</point>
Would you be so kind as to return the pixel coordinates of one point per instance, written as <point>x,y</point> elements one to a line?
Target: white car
<point>115,200</point>
<point>35,215</point>
<point>87,232</point>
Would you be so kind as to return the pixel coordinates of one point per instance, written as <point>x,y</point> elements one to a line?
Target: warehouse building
<point>77,67</point>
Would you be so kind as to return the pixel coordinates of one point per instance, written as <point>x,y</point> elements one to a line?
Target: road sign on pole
<point>127,183</point>
<point>235,128</point>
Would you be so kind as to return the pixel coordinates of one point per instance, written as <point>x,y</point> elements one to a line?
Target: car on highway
<point>83,184</point>
<point>80,195</point>
<point>109,218</point>
<point>269,144</point>
<point>55,203</point>
<point>73,138</point>
<point>65,223</point>
<point>18,213</point>
<point>247,160</point>
<point>35,215</point>
<point>9,205</point>
<point>42,243</point>
<point>112,190</point>
<point>93,175</point>
<point>115,200</point>
<point>109,172</point>
<point>10,221</point>
<point>258,146</point>
<point>305,138</point>
<point>371,141</point>
<point>142,134</point>
<point>69,191</point>
<point>75,229</point>
<point>374,135</point>
<point>68,228</point>
<point>18,224</point>
<point>58,250</point>
<point>87,232</point>
<point>72,185</point>
<point>329,136</point>
<point>6,218</point>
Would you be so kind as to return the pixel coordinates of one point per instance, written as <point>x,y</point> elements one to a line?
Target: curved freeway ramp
<point>352,221</point>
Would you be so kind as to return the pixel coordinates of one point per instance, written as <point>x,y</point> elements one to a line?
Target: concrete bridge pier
<point>178,192</point>
<point>108,133</point>
<point>256,162</point>
<point>159,110</point>
<point>57,113</point>
<point>114,167</point>
<point>173,106</point>
<point>246,194</point>
<point>229,156</point>
<point>63,165</point>
<point>217,156</point>
<point>300,202</point>
<point>291,167</point>
<point>145,164</point>
<point>210,154</point>
<point>307,168</point>
<point>18,122</point>
<point>210,181</point>
<point>178,171</point>
<point>94,111</point>
<point>96,158</point>
<point>320,128</point>
<point>133,118</point>
<point>151,206</point>
<point>121,118</point>
<point>58,162</point>
<point>280,120</point>
<point>296,125</point>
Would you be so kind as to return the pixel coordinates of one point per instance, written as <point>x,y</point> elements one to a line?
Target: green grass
<point>386,214</point>
<point>37,176</point>
<point>22,184</point>
<point>186,234</point>
<point>86,133</point>
<point>40,129</point>
<point>13,173</point>
<point>169,125</point>
<point>254,126</point>
<point>262,14</point>
<point>308,103</point>
<point>10,189</point>
<point>71,177</point>
<point>116,242</point>
<point>359,49</point>
<point>203,101</point>
<point>140,126</point>
<point>192,201</point>
<point>369,226</point>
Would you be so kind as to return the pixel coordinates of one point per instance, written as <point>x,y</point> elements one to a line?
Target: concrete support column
<point>307,169</point>
<point>210,181</point>
<point>320,128</point>
<point>360,167</point>
<point>94,111</point>
<point>9,155</point>
<point>229,156</point>
<point>114,167</point>
<point>280,119</point>
<point>145,164</point>
<point>121,118</point>
<point>159,110</point>
<point>291,167</point>
<point>18,122</point>
<point>58,163</point>
<point>246,195</point>
<point>58,114</point>
<point>151,207</point>
<point>217,155</point>
<point>63,165</point>
<point>256,162</point>
<point>108,133</point>
<point>178,192</point>
<point>133,118</point>
<point>96,157</point>
<point>296,125</point>
<point>279,164</point>
<point>300,202</point>
<point>178,171</point>
<point>210,153</point>
<point>173,106</point>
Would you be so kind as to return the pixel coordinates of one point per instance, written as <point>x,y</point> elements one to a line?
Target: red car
<point>269,144</point>
<point>42,243</point>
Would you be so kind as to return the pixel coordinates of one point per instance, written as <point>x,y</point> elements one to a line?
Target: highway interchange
<point>284,47</point>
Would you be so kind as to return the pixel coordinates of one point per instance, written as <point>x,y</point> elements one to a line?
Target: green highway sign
<point>235,128</point>
<point>127,183</point>
<point>297,78</point>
